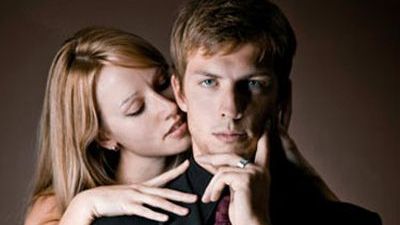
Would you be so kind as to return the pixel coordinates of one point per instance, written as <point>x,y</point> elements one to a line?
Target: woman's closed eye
<point>135,112</point>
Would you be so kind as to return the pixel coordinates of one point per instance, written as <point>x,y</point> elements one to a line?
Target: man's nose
<point>231,106</point>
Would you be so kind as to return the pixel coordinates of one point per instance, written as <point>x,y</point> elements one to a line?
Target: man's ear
<point>285,106</point>
<point>178,92</point>
<point>105,140</point>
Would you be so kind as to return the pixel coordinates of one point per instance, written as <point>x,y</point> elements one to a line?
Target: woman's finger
<point>169,194</point>
<point>161,203</point>
<point>139,210</point>
<point>166,177</point>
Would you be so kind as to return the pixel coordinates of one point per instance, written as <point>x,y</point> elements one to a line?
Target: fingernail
<point>164,218</point>
<point>192,198</point>
<point>183,211</point>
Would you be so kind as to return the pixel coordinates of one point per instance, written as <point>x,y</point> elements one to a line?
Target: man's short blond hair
<point>224,25</point>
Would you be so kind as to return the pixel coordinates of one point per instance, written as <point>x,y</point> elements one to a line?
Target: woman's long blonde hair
<point>69,159</point>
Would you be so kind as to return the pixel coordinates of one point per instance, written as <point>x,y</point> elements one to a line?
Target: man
<point>232,60</point>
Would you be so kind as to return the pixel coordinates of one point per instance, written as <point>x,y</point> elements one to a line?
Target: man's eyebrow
<point>257,73</point>
<point>205,73</point>
<point>130,97</point>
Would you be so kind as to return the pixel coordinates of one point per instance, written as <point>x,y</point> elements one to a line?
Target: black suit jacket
<point>294,200</point>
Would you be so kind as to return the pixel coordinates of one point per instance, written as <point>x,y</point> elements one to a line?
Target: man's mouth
<point>230,136</point>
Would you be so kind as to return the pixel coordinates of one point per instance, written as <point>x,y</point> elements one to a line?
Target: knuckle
<point>173,207</point>
<point>157,200</point>
<point>221,169</point>
<point>246,180</point>
<point>224,170</point>
<point>141,211</point>
<point>134,186</point>
<point>169,193</point>
<point>253,171</point>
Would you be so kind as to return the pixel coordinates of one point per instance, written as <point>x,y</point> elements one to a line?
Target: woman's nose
<point>166,106</point>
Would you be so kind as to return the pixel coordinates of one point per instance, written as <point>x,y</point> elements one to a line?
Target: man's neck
<point>133,168</point>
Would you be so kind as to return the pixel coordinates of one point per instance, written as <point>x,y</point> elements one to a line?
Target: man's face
<point>227,99</point>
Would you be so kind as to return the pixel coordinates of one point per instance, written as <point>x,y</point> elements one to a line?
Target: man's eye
<point>257,84</point>
<point>208,83</point>
<point>254,84</point>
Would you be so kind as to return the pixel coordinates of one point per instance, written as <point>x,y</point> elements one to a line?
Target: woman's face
<point>138,112</point>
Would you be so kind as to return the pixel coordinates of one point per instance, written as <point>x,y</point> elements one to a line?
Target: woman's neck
<point>133,168</point>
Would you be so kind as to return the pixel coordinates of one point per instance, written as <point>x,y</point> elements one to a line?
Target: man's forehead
<point>240,63</point>
<point>254,55</point>
<point>224,48</point>
<point>243,74</point>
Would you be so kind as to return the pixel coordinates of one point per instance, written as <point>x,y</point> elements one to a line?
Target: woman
<point>108,118</point>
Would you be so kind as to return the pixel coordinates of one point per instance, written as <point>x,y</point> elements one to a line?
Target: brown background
<point>346,81</point>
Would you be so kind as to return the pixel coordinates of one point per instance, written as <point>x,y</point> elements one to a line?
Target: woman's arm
<point>44,211</point>
<point>114,200</point>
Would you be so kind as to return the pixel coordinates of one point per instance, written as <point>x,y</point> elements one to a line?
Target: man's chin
<point>244,149</point>
<point>241,150</point>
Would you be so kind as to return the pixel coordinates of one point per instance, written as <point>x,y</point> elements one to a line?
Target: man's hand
<point>249,186</point>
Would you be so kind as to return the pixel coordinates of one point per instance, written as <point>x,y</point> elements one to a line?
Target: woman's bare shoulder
<point>44,211</point>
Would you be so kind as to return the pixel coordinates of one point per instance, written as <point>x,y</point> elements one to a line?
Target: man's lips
<point>229,136</point>
<point>177,130</point>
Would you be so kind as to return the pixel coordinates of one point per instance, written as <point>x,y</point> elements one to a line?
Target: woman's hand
<point>115,200</point>
<point>133,199</point>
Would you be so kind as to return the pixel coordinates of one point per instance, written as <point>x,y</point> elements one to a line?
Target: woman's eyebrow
<point>129,98</point>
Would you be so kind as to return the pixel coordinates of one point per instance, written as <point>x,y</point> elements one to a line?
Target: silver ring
<point>242,163</point>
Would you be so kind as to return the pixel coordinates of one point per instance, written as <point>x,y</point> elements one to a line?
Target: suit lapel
<point>194,180</point>
<point>208,210</point>
<point>194,216</point>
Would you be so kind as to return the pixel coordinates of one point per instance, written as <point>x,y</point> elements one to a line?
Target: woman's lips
<point>178,130</point>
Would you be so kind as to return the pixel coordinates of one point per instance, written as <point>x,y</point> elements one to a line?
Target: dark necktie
<point>222,215</point>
